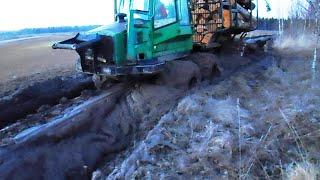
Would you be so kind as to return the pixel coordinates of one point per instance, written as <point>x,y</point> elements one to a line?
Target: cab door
<point>172,31</point>
<point>140,27</point>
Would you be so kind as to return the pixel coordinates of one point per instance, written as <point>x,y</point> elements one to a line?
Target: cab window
<point>123,6</point>
<point>184,12</point>
<point>165,13</point>
<point>141,5</point>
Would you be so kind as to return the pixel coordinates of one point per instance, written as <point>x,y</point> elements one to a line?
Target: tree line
<point>286,24</point>
<point>6,35</point>
<point>292,25</point>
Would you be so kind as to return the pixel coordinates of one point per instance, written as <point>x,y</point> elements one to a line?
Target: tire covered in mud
<point>180,74</point>
<point>103,82</point>
<point>207,63</point>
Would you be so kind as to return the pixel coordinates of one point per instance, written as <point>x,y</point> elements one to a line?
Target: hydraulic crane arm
<point>268,5</point>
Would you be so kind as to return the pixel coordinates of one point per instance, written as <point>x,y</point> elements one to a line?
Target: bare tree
<point>314,13</point>
<point>309,11</point>
<point>298,10</point>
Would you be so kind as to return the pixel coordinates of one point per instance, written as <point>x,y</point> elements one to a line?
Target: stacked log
<point>244,17</point>
<point>208,16</point>
<point>206,19</point>
<point>237,14</point>
<point>227,18</point>
<point>247,4</point>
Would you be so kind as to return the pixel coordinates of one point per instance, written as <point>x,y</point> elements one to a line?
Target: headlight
<point>101,59</point>
<point>107,71</point>
<point>89,54</point>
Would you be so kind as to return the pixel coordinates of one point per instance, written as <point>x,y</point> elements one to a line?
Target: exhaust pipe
<point>64,46</point>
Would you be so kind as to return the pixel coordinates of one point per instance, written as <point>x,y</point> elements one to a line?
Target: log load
<point>238,15</point>
<point>244,18</point>
<point>247,4</point>
<point>227,18</point>
<point>208,16</point>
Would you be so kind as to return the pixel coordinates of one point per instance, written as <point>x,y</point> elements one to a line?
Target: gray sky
<point>279,8</point>
<point>18,14</point>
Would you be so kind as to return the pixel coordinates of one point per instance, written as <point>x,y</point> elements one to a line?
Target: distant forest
<point>293,24</point>
<point>268,24</point>
<point>29,32</point>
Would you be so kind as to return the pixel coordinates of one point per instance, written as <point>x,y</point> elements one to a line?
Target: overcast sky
<point>18,14</point>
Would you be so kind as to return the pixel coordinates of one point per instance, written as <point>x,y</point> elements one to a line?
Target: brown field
<point>27,57</point>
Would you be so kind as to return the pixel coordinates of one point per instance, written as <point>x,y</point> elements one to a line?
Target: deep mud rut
<point>41,96</point>
<point>113,123</point>
<point>71,149</point>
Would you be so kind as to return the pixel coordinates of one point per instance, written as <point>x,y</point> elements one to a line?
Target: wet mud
<point>63,150</point>
<point>28,100</point>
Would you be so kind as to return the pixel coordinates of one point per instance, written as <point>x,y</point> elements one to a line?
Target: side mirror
<point>120,17</point>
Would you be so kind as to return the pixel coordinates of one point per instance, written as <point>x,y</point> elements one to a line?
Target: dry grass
<point>304,171</point>
<point>256,125</point>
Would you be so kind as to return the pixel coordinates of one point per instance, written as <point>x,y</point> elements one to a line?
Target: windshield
<point>142,5</point>
<point>123,6</point>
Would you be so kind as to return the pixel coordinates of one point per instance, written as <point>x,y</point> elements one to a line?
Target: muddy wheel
<point>103,82</point>
<point>180,74</point>
<point>193,82</point>
<point>208,65</point>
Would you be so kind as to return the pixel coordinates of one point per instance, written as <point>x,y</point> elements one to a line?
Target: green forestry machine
<point>148,33</point>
